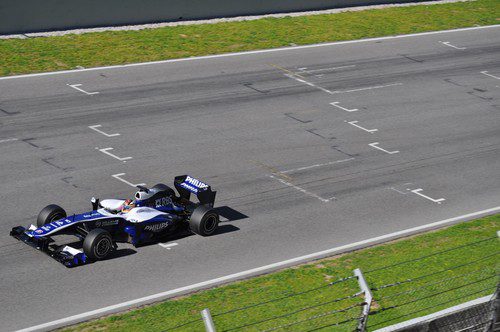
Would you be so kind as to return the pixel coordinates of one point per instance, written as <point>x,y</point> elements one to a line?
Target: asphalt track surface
<point>272,132</point>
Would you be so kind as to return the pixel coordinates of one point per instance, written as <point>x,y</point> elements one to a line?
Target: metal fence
<point>358,303</point>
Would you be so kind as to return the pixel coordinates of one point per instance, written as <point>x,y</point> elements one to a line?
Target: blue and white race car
<point>153,214</point>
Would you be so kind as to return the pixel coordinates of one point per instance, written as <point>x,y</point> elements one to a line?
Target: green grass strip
<point>21,56</point>
<point>411,277</point>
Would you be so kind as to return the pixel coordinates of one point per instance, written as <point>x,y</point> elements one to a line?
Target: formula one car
<point>153,214</point>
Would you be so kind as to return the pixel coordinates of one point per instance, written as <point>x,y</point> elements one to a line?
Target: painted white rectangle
<point>419,192</point>
<point>76,87</point>
<point>453,46</point>
<point>102,132</point>
<point>168,246</point>
<point>375,145</point>
<point>118,177</point>
<point>336,104</point>
<point>105,151</point>
<point>490,75</point>
<point>354,123</point>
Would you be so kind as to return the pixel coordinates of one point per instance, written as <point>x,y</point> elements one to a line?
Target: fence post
<point>207,320</point>
<point>368,300</point>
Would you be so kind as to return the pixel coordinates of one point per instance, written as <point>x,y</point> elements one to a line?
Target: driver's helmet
<point>128,205</point>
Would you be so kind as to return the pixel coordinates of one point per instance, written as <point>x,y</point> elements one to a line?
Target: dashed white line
<point>366,88</point>
<point>118,177</point>
<point>336,104</point>
<point>418,192</point>
<point>167,246</point>
<point>371,131</point>
<point>76,87</point>
<point>105,151</point>
<point>450,45</point>
<point>375,145</point>
<point>302,190</point>
<point>102,132</point>
<point>8,140</point>
<point>316,165</point>
<point>490,75</point>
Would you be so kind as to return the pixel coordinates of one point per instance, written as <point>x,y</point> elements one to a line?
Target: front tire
<point>204,221</point>
<point>49,214</point>
<point>98,244</point>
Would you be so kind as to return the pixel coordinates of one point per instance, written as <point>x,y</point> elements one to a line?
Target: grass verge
<point>437,270</point>
<point>21,56</point>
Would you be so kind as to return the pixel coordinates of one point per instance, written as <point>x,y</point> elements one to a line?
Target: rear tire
<point>98,244</point>
<point>204,221</point>
<point>49,214</point>
<point>164,187</point>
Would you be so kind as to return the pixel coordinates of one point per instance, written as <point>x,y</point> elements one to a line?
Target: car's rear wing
<point>186,185</point>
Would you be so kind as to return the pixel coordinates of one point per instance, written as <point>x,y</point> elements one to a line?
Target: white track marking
<point>486,73</point>
<point>398,191</point>
<point>76,87</point>
<point>375,145</point>
<point>301,80</point>
<point>105,151</point>
<point>8,140</point>
<point>118,177</point>
<point>302,190</point>
<point>455,47</point>
<point>316,165</point>
<point>418,192</point>
<point>312,71</point>
<point>167,246</point>
<point>251,272</point>
<point>335,104</point>
<point>367,88</point>
<point>280,49</point>
<point>371,131</point>
<point>102,132</point>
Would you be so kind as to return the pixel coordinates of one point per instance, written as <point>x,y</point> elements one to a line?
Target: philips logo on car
<point>156,227</point>
<point>193,184</point>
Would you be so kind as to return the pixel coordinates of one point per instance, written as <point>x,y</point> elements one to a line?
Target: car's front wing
<point>68,256</point>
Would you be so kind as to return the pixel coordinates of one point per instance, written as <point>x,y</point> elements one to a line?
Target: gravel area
<point>220,20</point>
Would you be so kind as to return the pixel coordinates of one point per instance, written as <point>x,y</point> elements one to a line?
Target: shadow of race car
<point>153,214</point>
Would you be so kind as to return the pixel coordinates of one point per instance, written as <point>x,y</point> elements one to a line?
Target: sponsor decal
<point>107,222</point>
<point>92,214</point>
<point>189,187</point>
<point>164,201</point>
<point>156,227</point>
<point>38,231</point>
<point>196,183</point>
